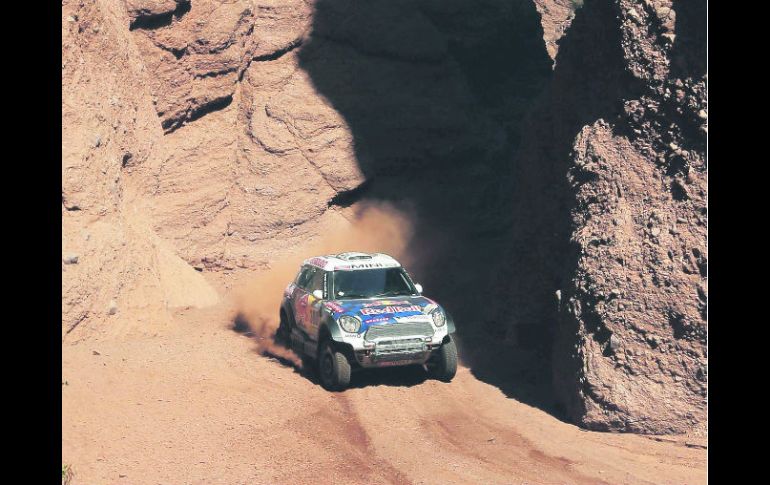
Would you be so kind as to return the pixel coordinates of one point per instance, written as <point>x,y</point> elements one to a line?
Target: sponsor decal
<point>411,318</point>
<point>319,262</point>
<point>381,312</point>
<point>377,320</point>
<point>366,266</point>
<point>309,308</point>
<point>303,308</point>
<point>390,309</point>
<point>335,307</point>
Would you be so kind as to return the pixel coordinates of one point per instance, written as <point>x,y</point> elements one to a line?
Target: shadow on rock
<point>437,95</point>
<point>434,93</point>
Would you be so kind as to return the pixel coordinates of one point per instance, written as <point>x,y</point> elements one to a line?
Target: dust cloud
<point>373,228</point>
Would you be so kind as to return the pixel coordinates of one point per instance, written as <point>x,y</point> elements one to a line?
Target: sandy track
<point>199,405</point>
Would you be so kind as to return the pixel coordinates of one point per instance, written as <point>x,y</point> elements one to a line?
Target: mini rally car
<point>356,310</point>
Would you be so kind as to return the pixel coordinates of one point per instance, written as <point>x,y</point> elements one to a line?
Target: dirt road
<point>197,404</point>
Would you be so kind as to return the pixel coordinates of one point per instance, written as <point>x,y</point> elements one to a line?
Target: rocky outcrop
<point>114,286</point>
<point>556,17</point>
<point>251,152</point>
<point>192,141</point>
<point>631,334</point>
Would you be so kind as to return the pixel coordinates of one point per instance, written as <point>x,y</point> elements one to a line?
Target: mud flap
<point>311,349</point>
<point>302,345</point>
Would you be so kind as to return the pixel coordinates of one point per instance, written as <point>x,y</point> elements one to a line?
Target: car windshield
<point>369,283</point>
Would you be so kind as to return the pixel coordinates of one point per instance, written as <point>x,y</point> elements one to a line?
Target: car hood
<point>382,311</point>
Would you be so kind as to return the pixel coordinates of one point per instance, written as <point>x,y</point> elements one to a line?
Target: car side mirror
<point>318,294</point>
<point>418,286</point>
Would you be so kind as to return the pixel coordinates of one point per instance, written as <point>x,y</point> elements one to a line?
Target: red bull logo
<point>390,309</point>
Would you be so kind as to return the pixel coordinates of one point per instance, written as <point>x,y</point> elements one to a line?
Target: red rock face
<point>631,338</point>
<point>550,156</point>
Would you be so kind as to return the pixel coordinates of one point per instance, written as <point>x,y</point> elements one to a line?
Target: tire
<point>333,368</point>
<point>444,365</point>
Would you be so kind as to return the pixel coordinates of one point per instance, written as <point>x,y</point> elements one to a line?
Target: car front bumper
<point>397,344</point>
<point>370,358</point>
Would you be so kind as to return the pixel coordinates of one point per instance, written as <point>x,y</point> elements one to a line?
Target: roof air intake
<point>354,256</point>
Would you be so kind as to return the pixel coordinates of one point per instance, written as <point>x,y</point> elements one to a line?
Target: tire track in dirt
<point>383,467</point>
<point>454,429</point>
<point>339,426</point>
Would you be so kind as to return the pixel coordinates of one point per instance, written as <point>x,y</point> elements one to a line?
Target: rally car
<point>357,310</point>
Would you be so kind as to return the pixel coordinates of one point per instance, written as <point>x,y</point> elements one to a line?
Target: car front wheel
<point>443,366</point>
<point>333,368</point>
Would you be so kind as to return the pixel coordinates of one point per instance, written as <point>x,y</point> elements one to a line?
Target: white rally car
<point>354,310</point>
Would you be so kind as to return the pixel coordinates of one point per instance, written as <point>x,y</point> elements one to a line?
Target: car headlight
<point>349,324</point>
<point>439,317</point>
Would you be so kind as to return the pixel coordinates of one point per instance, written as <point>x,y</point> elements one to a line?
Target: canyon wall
<point>611,227</point>
<point>550,155</point>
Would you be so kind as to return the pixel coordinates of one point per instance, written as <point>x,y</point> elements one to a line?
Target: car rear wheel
<point>333,368</point>
<point>444,364</point>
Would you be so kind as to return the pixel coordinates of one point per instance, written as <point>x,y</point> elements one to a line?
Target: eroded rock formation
<point>616,253</point>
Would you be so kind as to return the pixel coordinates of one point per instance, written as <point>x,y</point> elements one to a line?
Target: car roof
<point>352,261</point>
